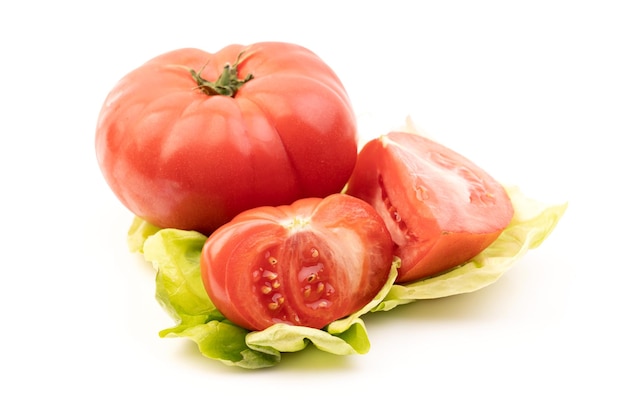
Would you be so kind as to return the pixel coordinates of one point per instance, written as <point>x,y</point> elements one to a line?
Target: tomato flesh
<point>440,208</point>
<point>306,264</point>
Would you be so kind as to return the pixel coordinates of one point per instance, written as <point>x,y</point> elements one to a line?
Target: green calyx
<point>227,84</point>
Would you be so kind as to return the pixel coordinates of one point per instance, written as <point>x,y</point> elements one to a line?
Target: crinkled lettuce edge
<point>532,223</point>
<point>175,255</point>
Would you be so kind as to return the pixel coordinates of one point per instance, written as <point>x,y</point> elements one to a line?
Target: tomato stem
<point>228,82</point>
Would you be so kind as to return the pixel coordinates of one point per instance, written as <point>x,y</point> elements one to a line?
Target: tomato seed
<point>271,275</point>
<point>421,193</point>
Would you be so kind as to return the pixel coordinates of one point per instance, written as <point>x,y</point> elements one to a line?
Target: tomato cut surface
<point>191,138</point>
<point>305,264</point>
<point>440,208</point>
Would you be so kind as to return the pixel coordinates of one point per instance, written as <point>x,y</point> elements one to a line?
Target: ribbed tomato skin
<point>178,157</point>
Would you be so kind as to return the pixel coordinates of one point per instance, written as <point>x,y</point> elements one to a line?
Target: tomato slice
<point>305,264</point>
<point>440,208</point>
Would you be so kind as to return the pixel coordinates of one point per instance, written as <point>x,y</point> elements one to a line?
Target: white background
<point>534,91</point>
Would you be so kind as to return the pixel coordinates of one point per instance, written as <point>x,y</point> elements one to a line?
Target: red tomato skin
<point>180,158</point>
<point>306,264</point>
<point>441,208</point>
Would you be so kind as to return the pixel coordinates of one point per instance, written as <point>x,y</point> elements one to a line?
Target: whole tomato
<point>440,207</point>
<point>306,264</point>
<point>190,139</point>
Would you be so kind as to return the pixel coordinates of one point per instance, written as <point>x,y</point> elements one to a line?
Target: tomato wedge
<point>305,264</point>
<point>440,207</point>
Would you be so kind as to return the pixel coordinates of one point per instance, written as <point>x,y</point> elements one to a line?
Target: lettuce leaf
<point>175,255</point>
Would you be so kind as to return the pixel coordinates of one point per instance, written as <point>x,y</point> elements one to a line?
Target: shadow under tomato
<point>313,359</point>
<point>484,304</point>
<point>310,359</point>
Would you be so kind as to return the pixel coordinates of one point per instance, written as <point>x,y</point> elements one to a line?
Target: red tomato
<point>305,264</point>
<point>191,138</point>
<point>440,208</point>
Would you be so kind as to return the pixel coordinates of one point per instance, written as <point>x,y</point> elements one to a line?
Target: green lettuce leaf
<point>139,231</point>
<point>175,254</point>
<point>530,226</point>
